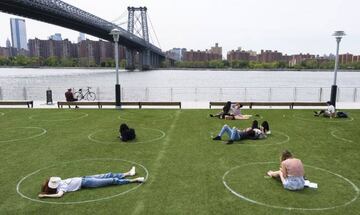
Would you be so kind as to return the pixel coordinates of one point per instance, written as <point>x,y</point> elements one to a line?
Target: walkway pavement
<point>190,105</point>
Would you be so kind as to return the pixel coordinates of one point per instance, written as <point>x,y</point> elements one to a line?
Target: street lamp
<point>116,34</point>
<point>338,35</point>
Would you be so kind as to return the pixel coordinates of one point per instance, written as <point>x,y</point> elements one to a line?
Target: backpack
<point>341,114</point>
<point>126,133</point>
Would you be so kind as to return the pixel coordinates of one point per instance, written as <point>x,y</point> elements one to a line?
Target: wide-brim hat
<point>54,182</point>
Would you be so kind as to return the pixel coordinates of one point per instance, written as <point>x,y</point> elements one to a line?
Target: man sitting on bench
<point>70,97</point>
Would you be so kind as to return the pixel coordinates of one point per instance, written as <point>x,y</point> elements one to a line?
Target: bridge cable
<point>120,17</point>
<point>153,29</point>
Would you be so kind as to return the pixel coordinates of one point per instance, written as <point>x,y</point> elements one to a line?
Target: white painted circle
<point>333,120</point>
<point>91,137</point>
<point>356,189</point>
<point>34,117</point>
<point>339,138</point>
<point>85,201</point>
<point>166,117</point>
<point>43,131</point>
<point>271,144</point>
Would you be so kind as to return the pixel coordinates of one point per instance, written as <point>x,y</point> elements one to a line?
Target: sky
<point>289,26</point>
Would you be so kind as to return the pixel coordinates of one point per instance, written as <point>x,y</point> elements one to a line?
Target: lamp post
<point>116,33</point>
<point>338,35</point>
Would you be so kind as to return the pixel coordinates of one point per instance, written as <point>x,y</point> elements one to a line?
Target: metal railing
<point>345,94</point>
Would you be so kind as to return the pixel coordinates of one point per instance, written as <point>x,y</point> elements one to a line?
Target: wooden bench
<point>223,103</point>
<point>30,104</point>
<point>122,104</point>
<point>290,104</point>
<point>160,104</point>
<point>101,104</point>
<point>315,104</point>
<point>76,103</point>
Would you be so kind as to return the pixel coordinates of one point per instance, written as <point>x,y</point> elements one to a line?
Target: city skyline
<point>277,25</point>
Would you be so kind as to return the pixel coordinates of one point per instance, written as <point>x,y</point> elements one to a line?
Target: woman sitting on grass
<point>56,188</point>
<point>231,112</point>
<point>291,172</point>
<point>328,112</point>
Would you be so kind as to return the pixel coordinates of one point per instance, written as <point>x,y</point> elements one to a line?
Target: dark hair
<point>265,125</point>
<point>255,124</point>
<point>250,133</point>
<point>328,102</point>
<point>227,107</point>
<point>240,105</point>
<point>45,189</point>
<point>285,155</point>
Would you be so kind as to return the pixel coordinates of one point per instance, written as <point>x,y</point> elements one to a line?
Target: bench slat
<point>18,102</point>
<point>139,104</point>
<point>290,104</point>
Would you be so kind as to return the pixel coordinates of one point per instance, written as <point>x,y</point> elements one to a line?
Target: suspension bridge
<point>57,12</point>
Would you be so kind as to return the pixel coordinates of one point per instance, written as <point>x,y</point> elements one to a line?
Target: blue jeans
<point>104,180</point>
<point>232,132</point>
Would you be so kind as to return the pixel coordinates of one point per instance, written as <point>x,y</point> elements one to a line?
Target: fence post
<point>355,94</point>
<point>146,94</point>
<point>171,94</point>
<point>269,95</point>
<point>24,93</point>
<point>245,94</point>
<point>320,93</point>
<point>196,94</point>
<point>338,94</point>
<point>122,94</point>
<point>1,94</point>
<point>295,93</point>
<point>220,94</point>
<point>98,94</point>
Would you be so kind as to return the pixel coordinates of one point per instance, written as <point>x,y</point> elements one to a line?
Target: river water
<point>180,85</point>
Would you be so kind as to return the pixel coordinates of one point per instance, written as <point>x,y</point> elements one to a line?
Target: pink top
<point>292,167</point>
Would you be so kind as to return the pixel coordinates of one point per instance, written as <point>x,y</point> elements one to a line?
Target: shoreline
<point>185,69</point>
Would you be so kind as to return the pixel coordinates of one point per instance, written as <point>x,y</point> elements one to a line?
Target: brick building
<point>269,56</point>
<point>239,54</point>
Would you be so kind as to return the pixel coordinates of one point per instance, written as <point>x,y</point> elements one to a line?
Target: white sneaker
<point>140,179</point>
<point>132,171</point>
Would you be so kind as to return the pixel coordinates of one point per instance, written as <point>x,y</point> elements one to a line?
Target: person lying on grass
<point>237,134</point>
<point>264,128</point>
<point>55,187</point>
<point>231,111</point>
<point>291,172</point>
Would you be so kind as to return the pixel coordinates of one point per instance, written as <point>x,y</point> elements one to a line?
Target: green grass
<point>185,166</point>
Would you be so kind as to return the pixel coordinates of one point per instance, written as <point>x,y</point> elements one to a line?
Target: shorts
<point>294,183</point>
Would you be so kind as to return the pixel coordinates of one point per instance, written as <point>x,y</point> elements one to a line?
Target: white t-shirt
<point>70,184</point>
<point>235,110</point>
<point>331,109</point>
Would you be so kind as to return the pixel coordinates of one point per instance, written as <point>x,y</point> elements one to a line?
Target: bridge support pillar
<point>130,59</point>
<point>145,59</point>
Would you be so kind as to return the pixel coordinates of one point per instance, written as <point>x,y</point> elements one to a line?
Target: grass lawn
<point>186,170</point>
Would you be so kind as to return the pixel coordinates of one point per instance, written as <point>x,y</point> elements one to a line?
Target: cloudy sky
<point>289,26</point>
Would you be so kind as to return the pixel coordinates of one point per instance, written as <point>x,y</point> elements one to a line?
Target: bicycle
<point>85,94</point>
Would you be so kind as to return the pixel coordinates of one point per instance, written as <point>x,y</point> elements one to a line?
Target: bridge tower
<point>137,16</point>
